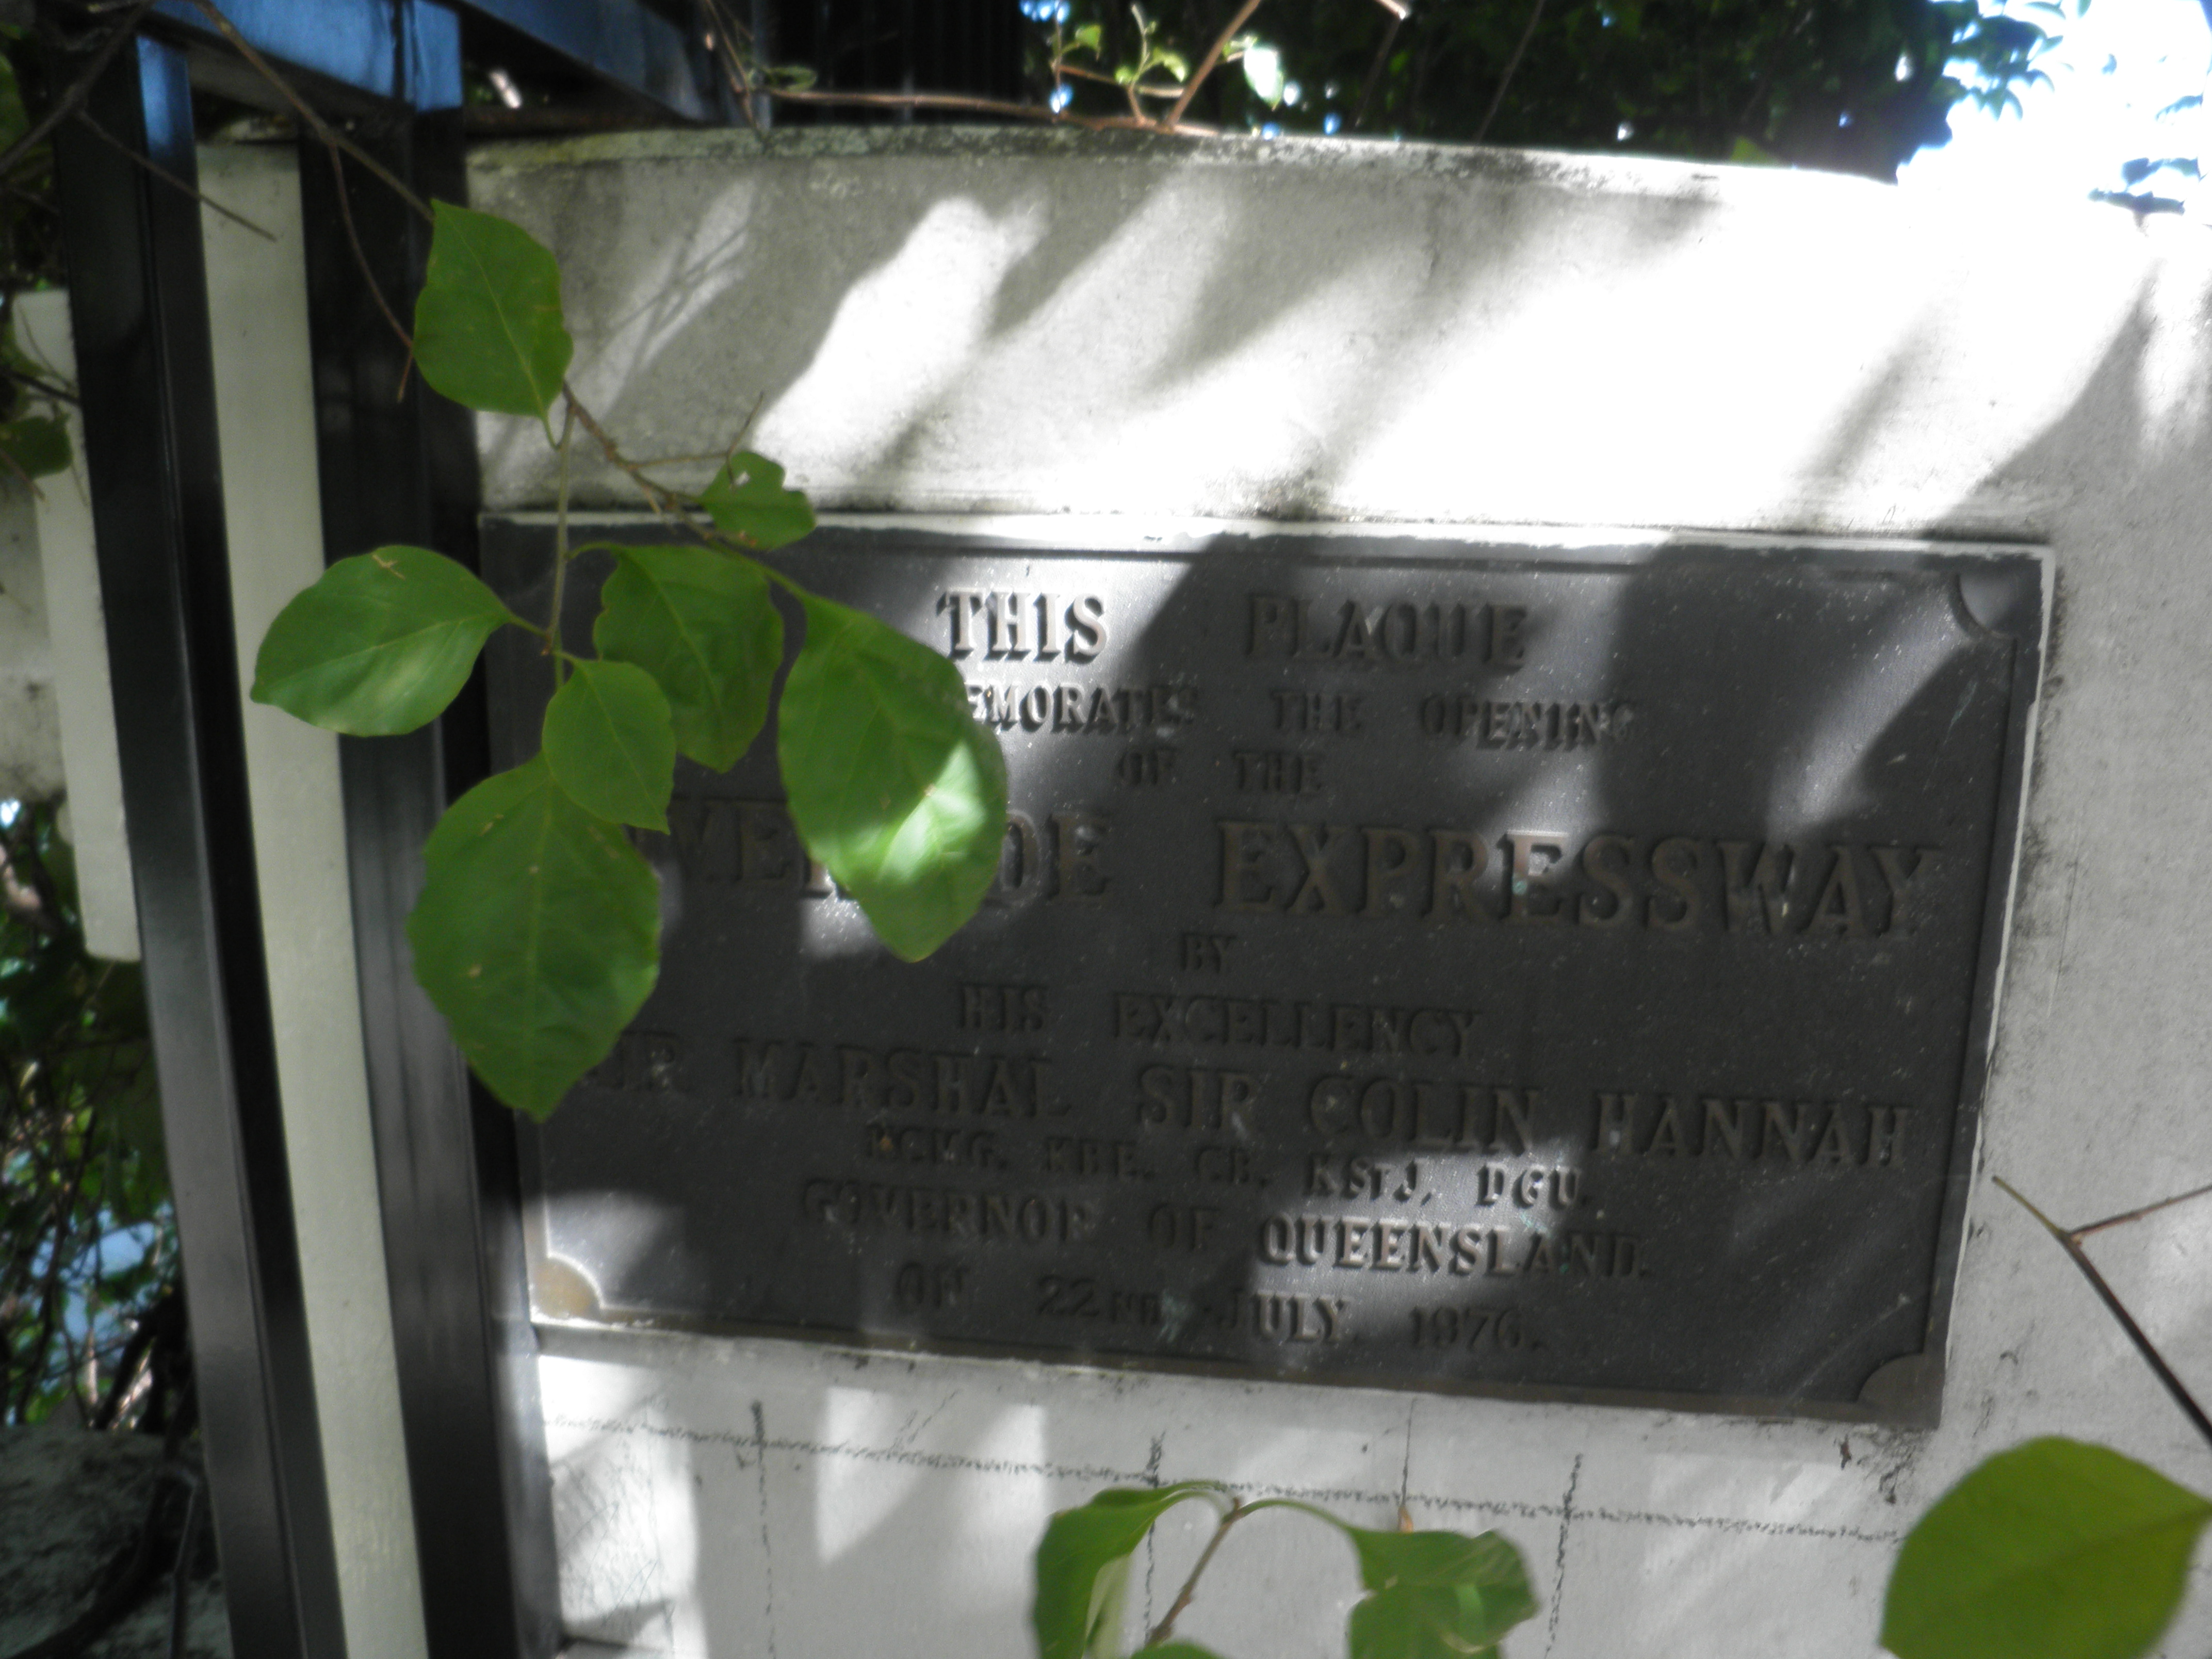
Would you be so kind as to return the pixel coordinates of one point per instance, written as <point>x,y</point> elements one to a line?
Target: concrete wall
<point>949,324</point>
<point>30,730</point>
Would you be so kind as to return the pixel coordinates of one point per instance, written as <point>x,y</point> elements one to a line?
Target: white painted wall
<point>30,732</point>
<point>265,410</point>
<point>945,323</point>
<point>70,647</point>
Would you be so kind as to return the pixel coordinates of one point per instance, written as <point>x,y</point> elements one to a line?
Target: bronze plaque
<point>1413,964</point>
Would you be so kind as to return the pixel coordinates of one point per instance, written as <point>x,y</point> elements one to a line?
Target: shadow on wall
<point>1051,326</point>
<point>902,1498</point>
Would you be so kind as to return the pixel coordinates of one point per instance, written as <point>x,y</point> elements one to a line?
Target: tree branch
<point>2071,1243</point>
<point>1205,64</point>
<point>1512,63</point>
<point>78,90</point>
<point>1234,1513</point>
<point>167,177</point>
<point>323,130</point>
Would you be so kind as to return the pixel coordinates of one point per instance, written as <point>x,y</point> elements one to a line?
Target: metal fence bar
<point>145,370</point>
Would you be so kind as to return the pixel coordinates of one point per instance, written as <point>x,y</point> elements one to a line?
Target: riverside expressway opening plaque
<point>1414,963</point>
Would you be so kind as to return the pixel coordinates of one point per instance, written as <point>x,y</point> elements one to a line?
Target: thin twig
<point>980,105</point>
<point>667,504</point>
<point>180,1576</point>
<point>2071,1243</point>
<point>1205,64</point>
<point>368,270</point>
<point>727,33</point>
<point>78,90</point>
<point>1160,1631</point>
<point>322,129</point>
<point>167,176</point>
<point>2137,1215</point>
<point>745,428</point>
<point>1498,98</point>
<point>44,388</point>
<point>561,547</point>
<point>1375,71</point>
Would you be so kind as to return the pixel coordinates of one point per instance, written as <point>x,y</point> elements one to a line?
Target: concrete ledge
<point>968,321</point>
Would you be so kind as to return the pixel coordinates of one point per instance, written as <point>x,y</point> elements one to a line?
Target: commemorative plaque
<point>1411,964</point>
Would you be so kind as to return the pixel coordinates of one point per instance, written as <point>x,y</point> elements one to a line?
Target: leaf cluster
<point>1426,1595</point>
<point>537,931</point>
<point>1854,86</point>
<point>88,1242</point>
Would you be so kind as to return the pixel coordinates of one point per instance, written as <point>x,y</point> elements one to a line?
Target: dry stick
<point>2137,1215</point>
<point>2071,1243</point>
<point>44,388</point>
<point>727,33</point>
<point>1374,71</point>
<point>322,129</point>
<point>77,90</point>
<point>1160,1631</point>
<point>368,270</point>
<point>1536,15</point>
<point>1205,64</point>
<point>665,503</point>
<point>560,548</point>
<point>333,142</point>
<point>982,106</point>
<point>167,176</point>
<point>180,1576</point>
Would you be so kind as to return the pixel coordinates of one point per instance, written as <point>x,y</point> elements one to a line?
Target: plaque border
<point>2006,587</point>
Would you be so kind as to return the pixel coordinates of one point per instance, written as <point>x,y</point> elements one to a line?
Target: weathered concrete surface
<point>938,323</point>
<point>30,729</point>
<point>70,1499</point>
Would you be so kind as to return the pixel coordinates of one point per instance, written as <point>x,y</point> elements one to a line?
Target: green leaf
<point>37,444</point>
<point>1086,38</point>
<point>1414,1623</point>
<point>891,783</point>
<point>537,935</point>
<point>1174,62</point>
<point>611,744</point>
<point>1263,73</point>
<point>488,329</point>
<point>701,624</point>
<point>1435,1594</point>
<point>747,500</point>
<point>14,120</point>
<point>1747,154</point>
<point>1079,1546</point>
<point>2053,1550</point>
<point>1486,1560</point>
<point>380,644</point>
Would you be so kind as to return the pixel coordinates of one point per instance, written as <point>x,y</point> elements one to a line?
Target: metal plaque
<point>1413,964</point>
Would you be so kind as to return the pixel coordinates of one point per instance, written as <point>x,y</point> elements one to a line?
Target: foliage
<point>2055,1548</point>
<point>537,931</point>
<point>88,1244</point>
<point>1855,86</point>
<point>34,441</point>
<point>1428,1594</point>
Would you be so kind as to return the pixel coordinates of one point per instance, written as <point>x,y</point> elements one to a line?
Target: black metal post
<point>402,468</point>
<point>392,468</point>
<point>145,364</point>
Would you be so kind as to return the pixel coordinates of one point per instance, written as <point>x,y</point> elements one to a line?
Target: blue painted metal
<point>623,42</point>
<point>407,50</point>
